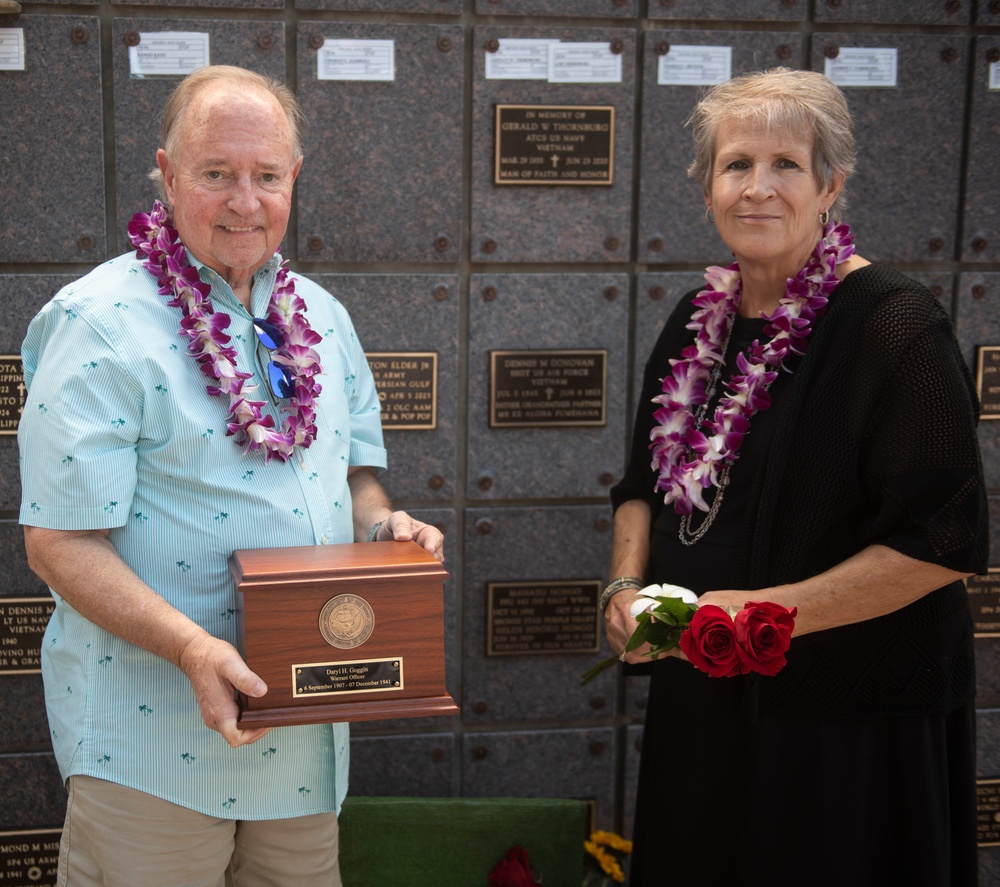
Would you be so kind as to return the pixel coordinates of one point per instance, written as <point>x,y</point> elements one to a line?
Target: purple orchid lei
<point>689,455</point>
<point>159,247</point>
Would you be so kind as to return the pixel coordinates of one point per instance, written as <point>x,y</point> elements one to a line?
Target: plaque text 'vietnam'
<point>539,389</point>
<point>554,145</point>
<point>22,624</point>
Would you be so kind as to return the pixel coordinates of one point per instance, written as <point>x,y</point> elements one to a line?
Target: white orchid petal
<point>640,605</point>
<point>685,594</point>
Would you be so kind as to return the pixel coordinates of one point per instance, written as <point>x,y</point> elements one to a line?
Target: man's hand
<point>400,527</point>
<point>216,671</point>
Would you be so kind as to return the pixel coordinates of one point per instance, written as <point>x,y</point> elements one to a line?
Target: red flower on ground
<point>513,870</point>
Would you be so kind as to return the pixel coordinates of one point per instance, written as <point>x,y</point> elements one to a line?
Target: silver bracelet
<point>616,585</point>
<point>373,532</point>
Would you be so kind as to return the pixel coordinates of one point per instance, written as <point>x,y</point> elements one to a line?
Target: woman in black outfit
<point>824,459</point>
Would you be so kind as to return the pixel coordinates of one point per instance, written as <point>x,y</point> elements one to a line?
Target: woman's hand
<point>730,599</point>
<point>620,626</point>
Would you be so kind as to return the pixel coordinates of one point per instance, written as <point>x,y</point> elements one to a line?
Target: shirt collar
<point>260,292</point>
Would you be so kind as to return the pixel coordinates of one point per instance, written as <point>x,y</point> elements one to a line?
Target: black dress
<point>734,794</point>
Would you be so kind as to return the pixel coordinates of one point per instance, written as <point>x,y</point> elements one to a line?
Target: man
<point>134,496</point>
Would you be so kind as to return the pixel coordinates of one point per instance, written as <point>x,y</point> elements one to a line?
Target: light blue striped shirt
<point>118,432</point>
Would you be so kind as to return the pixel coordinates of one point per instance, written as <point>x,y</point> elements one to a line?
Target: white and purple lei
<point>689,456</point>
<point>159,247</point>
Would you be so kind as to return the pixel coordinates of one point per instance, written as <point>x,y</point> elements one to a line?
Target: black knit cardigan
<point>875,444</point>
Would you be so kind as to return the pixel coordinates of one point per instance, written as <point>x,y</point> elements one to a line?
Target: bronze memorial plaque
<point>29,858</point>
<point>548,389</point>
<point>554,145</point>
<point>348,632</point>
<point>12,392</point>
<point>988,812</point>
<point>542,617</point>
<point>988,380</point>
<point>407,388</point>
<point>984,601</point>
<point>22,624</point>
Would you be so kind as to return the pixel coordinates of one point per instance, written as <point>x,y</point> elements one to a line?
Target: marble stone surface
<point>988,735</point>
<point>23,723</point>
<point>138,102</point>
<point>672,223</point>
<point>940,283</point>
<point>380,180</point>
<point>22,296</point>
<point>436,7</point>
<point>981,228</point>
<point>524,312</point>
<point>733,10</point>
<point>988,672</point>
<point>400,313</point>
<point>58,212</point>
<point>403,765</point>
<point>235,4</point>
<point>537,544</point>
<point>903,197</point>
<point>33,792</point>
<point>574,763</point>
<point>16,579</point>
<point>989,865</point>
<point>987,12</point>
<point>636,695</point>
<point>633,752</point>
<point>551,223</point>
<point>994,503</point>
<point>656,296</point>
<point>580,8</point>
<point>10,477</point>
<point>891,12</point>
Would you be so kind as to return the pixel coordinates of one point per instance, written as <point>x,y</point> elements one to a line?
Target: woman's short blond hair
<point>181,98</point>
<point>781,100</point>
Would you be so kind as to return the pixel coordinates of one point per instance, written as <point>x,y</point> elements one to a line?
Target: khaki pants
<point>119,837</point>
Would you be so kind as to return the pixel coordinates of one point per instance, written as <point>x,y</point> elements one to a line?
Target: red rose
<point>763,633</point>
<point>710,642</point>
<point>513,870</point>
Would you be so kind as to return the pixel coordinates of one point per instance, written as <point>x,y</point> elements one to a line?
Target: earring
<point>709,215</point>
<point>824,217</point>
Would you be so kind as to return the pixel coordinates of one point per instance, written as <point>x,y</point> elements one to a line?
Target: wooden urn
<point>350,632</point>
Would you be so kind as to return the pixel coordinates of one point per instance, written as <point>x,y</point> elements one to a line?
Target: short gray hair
<point>780,100</point>
<point>181,98</point>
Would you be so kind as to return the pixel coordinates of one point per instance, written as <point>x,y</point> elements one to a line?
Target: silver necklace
<point>686,535</point>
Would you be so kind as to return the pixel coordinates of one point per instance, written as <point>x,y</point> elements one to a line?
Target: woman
<point>842,477</point>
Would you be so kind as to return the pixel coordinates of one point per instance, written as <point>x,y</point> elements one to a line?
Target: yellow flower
<point>610,839</point>
<point>609,865</point>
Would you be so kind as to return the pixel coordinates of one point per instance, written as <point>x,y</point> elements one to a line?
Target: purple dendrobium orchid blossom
<point>686,460</point>
<point>161,252</point>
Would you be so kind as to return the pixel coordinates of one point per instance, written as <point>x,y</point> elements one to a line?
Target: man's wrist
<point>373,532</point>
